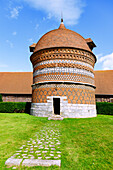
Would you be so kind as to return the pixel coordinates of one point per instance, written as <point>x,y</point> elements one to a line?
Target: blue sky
<point>23,22</point>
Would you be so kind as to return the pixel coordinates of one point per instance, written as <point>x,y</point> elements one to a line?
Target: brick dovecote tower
<point>63,76</point>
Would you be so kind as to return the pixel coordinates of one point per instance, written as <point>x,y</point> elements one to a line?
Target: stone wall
<point>67,110</point>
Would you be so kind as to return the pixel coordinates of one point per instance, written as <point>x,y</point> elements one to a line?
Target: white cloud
<point>14,33</point>
<point>14,13</point>
<point>10,43</point>
<point>71,9</point>
<point>36,27</point>
<point>98,55</point>
<point>106,61</point>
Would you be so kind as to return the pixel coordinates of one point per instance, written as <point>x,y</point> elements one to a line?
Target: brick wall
<point>16,97</point>
<point>28,98</point>
<point>76,94</point>
<point>104,98</point>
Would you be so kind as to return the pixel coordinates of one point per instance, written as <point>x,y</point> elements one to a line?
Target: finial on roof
<point>62,26</point>
<point>61,16</point>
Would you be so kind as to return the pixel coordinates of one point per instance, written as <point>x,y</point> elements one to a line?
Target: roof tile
<point>20,82</point>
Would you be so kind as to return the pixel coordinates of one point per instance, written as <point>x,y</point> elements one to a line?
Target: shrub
<point>15,107</point>
<point>1,98</point>
<point>104,108</point>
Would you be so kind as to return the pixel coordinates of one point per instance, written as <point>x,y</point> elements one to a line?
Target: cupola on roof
<point>62,37</point>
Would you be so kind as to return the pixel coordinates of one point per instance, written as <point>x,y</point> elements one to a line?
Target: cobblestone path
<point>41,150</point>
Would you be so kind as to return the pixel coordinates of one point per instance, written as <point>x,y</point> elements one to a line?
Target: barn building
<point>63,76</point>
<point>18,87</point>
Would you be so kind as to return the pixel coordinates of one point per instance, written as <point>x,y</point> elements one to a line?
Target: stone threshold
<point>32,162</point>
<point>55,117</point>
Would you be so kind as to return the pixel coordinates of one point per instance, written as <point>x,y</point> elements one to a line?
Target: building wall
<point>64,73</point>
<point>75,94</point>
<point>16,97</point>
<point>104,98</point>
<point>76,101</point>
<point>63,64</point>
<point>28,98</point>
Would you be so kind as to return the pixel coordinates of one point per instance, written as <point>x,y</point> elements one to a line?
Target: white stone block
<point>36,162</point>
<point>12,162</point>
<point>67,110</point>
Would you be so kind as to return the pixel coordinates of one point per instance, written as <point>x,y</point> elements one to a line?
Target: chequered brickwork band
<point>76,94</point>
<point>63,53</point>
<point>64,63</point>
<point>63,70</point>
<point>63,77</point>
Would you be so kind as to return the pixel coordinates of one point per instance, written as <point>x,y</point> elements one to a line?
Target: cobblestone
<point>45,145</point>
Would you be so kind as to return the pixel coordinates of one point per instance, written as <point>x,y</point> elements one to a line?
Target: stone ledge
<point>55,117</point>
<point>12,162</point>
<point>36,162</point>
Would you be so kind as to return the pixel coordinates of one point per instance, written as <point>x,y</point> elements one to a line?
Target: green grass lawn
<point>85,143</point>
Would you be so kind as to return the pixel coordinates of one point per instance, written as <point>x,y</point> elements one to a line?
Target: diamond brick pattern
<point>63,77</point>
<point>77,94</point>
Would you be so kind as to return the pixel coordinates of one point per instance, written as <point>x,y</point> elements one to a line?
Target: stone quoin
<point>63,76</point>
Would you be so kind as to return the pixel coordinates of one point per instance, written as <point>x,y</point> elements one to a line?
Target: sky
<point>23,22</point>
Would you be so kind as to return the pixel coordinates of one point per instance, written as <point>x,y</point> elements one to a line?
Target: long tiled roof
<point>20,82</point>
<point>16,82</point>
<point>104,82</point>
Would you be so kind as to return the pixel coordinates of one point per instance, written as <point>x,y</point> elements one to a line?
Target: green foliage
<point>104,108</point>
<point>15,107</point>
<point>1,98</point>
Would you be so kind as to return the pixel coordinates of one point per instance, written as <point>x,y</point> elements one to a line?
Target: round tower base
<point>67,110</point>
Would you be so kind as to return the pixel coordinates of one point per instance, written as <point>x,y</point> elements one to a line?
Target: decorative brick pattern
<point>66,65</point>
<point>63,77</point>
<point>63,70</point>
<point>62,61</point>
<point>63,53</point>
<point>79,94</point>
<point>63,64</point>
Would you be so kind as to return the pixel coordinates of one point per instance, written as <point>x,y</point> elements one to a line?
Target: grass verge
<point>85,143</point>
